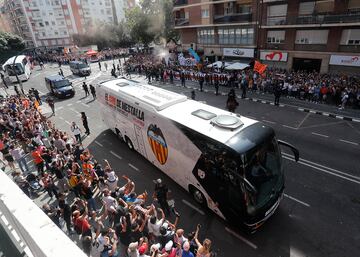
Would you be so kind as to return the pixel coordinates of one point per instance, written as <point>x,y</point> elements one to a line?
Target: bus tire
<point>119,135</point>
<point>198,196</point>
<point>129,143</point>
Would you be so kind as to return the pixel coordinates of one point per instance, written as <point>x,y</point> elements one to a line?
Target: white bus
<point>229,163</point>
<point>22,67</point>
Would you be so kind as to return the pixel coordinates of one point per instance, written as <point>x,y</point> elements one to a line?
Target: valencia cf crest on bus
<point>157,143</point>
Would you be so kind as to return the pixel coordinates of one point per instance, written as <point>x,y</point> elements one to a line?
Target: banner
<point>276,56</point>
<point>345,60</point>
<point>239,52</point>
<point>259,67</point>
<point>194,54</point>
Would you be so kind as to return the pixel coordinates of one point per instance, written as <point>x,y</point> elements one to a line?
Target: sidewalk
<point>302,105</point>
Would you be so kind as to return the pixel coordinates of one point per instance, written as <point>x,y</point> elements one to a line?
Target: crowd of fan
<point>343,90</point>
<point>111,220</point>
<point>75,55</point>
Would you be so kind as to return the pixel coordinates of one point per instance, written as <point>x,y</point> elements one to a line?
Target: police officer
<point>277,92</point>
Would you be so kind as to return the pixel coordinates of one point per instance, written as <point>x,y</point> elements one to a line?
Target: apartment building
<point>311,35</point>
<point>218,29</point>
<point>294,34</point>
<point>52,23</point>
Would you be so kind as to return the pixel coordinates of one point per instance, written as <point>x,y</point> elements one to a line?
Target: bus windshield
<point>11,69</point>
<point>264,172</point>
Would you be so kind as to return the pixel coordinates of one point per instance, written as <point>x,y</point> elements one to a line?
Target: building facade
<point>52,23</point>
<point>218,29</point>
<point>292,34</point>
<point>310,35</point>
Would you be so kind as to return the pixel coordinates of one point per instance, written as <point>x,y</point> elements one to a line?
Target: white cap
<point>157,181</point>
<point>169,245</point>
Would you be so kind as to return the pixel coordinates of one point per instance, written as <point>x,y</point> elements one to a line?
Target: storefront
<point>239,54</point>
<point>274,59</point>
<point>344,63</point>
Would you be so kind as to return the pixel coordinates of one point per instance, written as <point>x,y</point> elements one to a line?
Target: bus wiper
<point>251,187</point>
<point>292,148</point>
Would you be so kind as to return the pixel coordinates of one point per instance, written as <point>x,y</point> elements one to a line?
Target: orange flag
<point>259,67</point>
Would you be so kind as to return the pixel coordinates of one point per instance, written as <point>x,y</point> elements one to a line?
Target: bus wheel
<point>129,143</point>
<point>198,196</point>
<point>118,133</point>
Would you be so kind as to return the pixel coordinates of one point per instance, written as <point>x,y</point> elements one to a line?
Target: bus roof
<point>185,115</point>
<point>192,114</point>
<point>154,96</point>
<point>19,58</point>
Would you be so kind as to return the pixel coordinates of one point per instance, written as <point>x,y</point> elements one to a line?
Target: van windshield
<point>61,83</point>
<point>82,66</point>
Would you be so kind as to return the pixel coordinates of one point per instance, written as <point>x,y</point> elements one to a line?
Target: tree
<point>10,44</point>
<point>104,35</point>
<point>151,21</point>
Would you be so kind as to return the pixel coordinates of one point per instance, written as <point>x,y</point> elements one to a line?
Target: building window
<point>53,42</point>
<point>306,8</point>
<point>43,34</point>
<point>276,14</point>
<point>354,5</point>
<point>46,23</point>
<point>41,24</point>
<point>276,36</point>
<point>205,13</point>
<point>102,11</point>
<point>65,32</point>
<point>107,3</point>
<point>350,37</point>
<point>66,11</point>
<point>206,36</point>
<point>317,37</point>
<point>230,36</point>
<point>108,11</point>
<point>56,33</point>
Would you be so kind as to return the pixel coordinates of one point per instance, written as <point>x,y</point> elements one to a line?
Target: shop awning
<point>91,52</point>
<point>218,64</point>
<point>237,66</point>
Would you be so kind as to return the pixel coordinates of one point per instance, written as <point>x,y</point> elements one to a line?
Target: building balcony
<point>180,2</point>
<point>234,17</point>
<point>181,21</point>
<point>314,19</point>
<point>349,48</point>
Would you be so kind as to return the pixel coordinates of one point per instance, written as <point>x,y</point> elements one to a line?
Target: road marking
<point>61,118</point>
<point>61,107</point>
<point>349,142</point>
<point>306,116</point>
<point>320,135</point>
<point>132,166</point>
<point>268,121</point>
<point>297,200</point>
<point>99,144</point>
<point>193,207</point>
<point>85,105</point>
<point>69,104</point>
<point>115,154</point>
<point>67,122</point>
<point>73,110</point>
<point>78,101</point>
<point>286,126</point>
<point>330,171</point>
<point>252,245</point>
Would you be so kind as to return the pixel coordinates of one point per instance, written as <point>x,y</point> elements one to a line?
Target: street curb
<point>331,115</point>
<point>327,114</point>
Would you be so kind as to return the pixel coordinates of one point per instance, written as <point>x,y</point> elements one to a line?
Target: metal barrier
<point>37,234</point>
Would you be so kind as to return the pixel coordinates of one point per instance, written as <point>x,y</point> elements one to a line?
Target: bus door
<point>140,140</point>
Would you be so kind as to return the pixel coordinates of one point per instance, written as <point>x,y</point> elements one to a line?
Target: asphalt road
<point>319,215</point>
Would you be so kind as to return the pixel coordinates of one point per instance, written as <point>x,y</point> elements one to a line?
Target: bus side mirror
<point>292,148</point>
